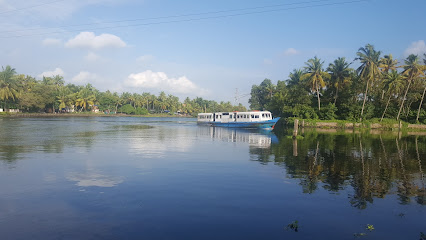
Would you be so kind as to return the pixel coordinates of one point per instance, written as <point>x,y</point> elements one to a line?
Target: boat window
<point>252,116</point>
<point>263,115</point>
<point>256,116</point>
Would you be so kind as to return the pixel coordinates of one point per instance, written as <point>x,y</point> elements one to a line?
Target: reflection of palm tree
<point>404,189</point>
<point>361,184</point>
<point>310,184</point>
<point>421,196</point>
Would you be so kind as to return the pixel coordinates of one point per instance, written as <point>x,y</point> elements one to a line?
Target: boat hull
<point>269,124</point>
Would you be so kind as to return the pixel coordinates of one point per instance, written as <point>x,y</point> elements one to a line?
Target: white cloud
<point>291,52</point>
<point>84,77</point>
<point>145,58</point>
<point>417,48</point>
<point>51,42</point>
<point>93,179</point>
<point>159,80</point>
<point>55,72</point>
<point>91,56</point>
<point>89,40</point>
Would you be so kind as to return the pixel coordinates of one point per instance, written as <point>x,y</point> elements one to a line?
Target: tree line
<point>51,94</point>
<point>380,87</point>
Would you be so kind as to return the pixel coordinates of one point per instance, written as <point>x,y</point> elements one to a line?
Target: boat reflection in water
<point>256,138</point>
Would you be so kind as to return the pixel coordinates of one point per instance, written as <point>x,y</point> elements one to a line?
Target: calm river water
<point>167,178</point>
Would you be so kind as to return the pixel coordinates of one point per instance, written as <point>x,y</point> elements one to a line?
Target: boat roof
<point>249,112</point>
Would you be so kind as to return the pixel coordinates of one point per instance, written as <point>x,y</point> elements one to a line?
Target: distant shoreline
<point>60,115</point>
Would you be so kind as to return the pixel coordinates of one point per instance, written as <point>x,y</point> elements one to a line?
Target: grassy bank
<point>386,124</point>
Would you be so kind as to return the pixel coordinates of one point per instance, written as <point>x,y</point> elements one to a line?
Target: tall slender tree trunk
<point>318,97</point>
<point>387,104</point>
<point>420,106</point>
<point>335,98</point>
<point>365,98</point>
<point>403,100</point>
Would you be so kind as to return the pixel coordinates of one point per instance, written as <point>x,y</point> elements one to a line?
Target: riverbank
<point>89,114</point>
<point>373,124</point>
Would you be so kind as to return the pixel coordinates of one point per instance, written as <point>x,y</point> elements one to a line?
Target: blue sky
<point>188,56</point>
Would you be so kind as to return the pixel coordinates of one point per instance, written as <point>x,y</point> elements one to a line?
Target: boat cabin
<point>227,117</point>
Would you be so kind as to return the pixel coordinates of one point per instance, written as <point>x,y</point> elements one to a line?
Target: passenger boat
<point>252,119</point>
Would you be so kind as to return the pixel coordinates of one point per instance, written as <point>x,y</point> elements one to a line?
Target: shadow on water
<point>374,166</point>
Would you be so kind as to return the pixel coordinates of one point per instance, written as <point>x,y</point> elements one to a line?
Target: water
<point>167,178</point>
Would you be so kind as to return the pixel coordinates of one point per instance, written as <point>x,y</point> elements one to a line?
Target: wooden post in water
<point>296,127</point>
<point>294,146</point>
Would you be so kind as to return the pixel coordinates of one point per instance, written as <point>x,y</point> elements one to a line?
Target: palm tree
<point>340,74</point>
<point>85,97</point>
<point>64,97</point>
<point>369,69</point>
<point>393,83</point>
<point>421,101</point>
<point>8,86</point>
<point>412,70</point>
<point>294,77</point>
<point>424,90</point>
<point>315,75</point>
<point>387,63</point>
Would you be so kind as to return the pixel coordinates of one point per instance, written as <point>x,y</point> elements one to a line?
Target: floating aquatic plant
<point>293,226</point>
<point>370,227</point>
<point>360,234</point>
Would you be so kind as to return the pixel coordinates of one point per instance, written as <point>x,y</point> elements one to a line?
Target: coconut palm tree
<point>340,74</point>
<point>393,83</point>
<point>315,75</point>
<point>421,101</point>
<point>8,85</point>
<point>424,90</point>
<point>387,63</point>
<point>412,70</point>
<point>85,98</point>
<point>369,69</point>
<point>294,77</point>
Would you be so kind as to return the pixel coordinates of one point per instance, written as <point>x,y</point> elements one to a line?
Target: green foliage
<point>369,227</point>
<point>127,109</point>
<point>302,111</point>
<point>50,94</point>
<point>261,95</point>
<point>141,111</point>
<point>328,112</point>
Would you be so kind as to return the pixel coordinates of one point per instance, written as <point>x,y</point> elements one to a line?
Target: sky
<point>208,49</point>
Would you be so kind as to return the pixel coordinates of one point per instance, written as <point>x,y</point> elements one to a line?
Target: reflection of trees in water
<point>373,165</point>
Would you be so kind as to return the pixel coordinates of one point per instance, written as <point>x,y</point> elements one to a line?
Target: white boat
<point>252,119</point>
